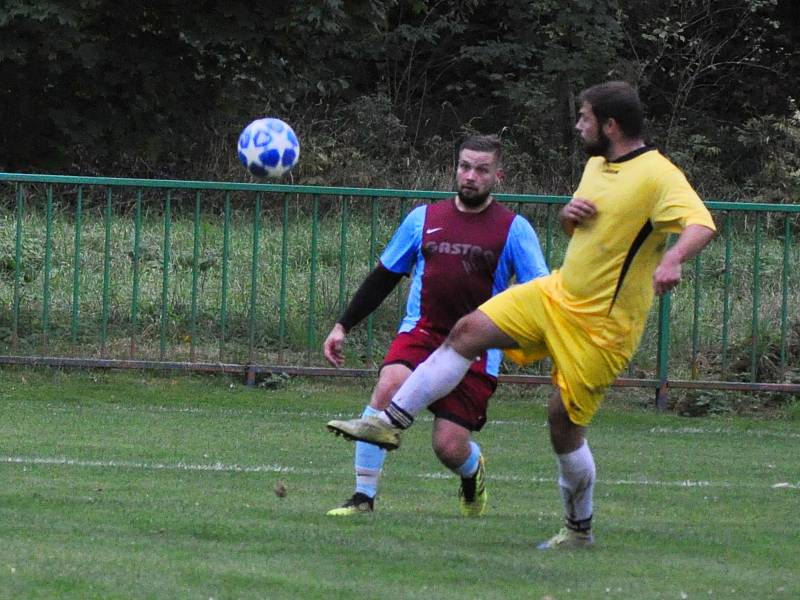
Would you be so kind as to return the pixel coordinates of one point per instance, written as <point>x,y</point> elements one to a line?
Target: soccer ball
<point>268,147</point>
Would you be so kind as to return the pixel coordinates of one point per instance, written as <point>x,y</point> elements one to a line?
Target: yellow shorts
<point>581,369</point>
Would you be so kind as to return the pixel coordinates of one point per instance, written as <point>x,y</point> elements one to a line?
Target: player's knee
<point>390,379</point>
<point>465,337</point>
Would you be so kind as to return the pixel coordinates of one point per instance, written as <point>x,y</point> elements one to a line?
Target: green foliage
<point>706,71</point>
<point>773,145</point>
<point>690,56</point>
<point>118,88</point>
<point>387,87</point>
<point>97,82</point>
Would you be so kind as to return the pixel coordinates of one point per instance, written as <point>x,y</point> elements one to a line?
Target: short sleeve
<point>521,258</point>
<point>525,251</point>
<point>401,252</point>
<point>677,204</point>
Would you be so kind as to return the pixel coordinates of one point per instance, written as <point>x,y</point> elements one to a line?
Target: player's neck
<point>622,147</point>
<point>473,209</point>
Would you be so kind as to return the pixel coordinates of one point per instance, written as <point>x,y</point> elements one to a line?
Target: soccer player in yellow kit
<point>588,316</point>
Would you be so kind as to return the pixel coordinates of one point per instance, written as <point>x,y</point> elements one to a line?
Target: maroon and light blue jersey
<point>458,260</point>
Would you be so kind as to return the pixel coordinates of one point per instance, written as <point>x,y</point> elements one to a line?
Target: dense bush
<point>381,90</point>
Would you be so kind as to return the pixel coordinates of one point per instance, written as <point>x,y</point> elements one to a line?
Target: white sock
<point>434,378</point>
<point>576,481</point>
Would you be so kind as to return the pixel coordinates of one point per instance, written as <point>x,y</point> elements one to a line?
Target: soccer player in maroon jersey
<point>459,252</point>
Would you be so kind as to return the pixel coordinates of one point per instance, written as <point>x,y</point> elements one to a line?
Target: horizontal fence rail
<point>249,277</point>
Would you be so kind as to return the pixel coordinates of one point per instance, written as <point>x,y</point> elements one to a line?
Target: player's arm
<point>369,296</point>
<point>690,243</point>
<point>575,212</point>
<point>396,260</point>
<point>524,253</point>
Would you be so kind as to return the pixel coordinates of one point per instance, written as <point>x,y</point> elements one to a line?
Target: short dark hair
<point>616,100</point>
<point>483,143</point>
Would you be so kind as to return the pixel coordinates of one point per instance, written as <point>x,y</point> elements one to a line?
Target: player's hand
<point>575,212</point>
<point>579,210</point>
<point>666,276</point>
<point>333,348</point>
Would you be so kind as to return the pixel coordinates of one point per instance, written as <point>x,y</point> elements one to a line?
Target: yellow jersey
<point>605,282</point>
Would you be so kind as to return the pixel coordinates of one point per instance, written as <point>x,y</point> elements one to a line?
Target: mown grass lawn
<point>131,485</point>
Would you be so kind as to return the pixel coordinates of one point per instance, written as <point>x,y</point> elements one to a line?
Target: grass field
<point>145,486</point>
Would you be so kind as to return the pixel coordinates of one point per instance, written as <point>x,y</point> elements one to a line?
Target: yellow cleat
<point>367,429</point>
<point>358,504</point>
<point>568,539</point>
<point>472,493</point>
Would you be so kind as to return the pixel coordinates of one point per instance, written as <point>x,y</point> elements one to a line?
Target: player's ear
<point>499,175</point>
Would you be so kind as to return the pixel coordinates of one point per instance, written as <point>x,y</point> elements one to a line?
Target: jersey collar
<point>633,154</point>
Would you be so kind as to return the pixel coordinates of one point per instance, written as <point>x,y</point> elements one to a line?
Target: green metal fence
<point>248,278</point>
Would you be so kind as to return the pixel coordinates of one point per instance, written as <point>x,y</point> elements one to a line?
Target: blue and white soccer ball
<point>268,147</point>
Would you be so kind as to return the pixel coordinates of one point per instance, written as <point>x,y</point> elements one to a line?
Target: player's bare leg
<point>455,448</point>
<point>565,436</point>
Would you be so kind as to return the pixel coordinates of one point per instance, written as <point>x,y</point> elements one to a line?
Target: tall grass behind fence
<point>257,274</point>
<point>185,286</point>
<point>737,315</point>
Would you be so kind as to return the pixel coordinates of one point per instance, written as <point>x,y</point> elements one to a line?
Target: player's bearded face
<point>597,145</point>
<point>595,141</point>
<point>472,197</point>
<point>476,175</point>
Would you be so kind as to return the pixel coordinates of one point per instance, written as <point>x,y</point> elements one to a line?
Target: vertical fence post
<point>106,274</point>
<point>137,243</point>
<point>754,346</point>
<point>696,318</point>
<point>662,392</point>
<point>17,268</point>
<point>251,325</point>
<point>195,276</point>
<point>48,255</point>
<point>76,270</point>
<point>726,298</point>
<point>787,244</point>
<point>165,266</point>
<point>312,281</point>
<point>284,277</point>
<point>345,220</point>
<point>223,309</point>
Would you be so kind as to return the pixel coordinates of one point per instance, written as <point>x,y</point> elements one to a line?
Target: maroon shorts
<point>466,405</point>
